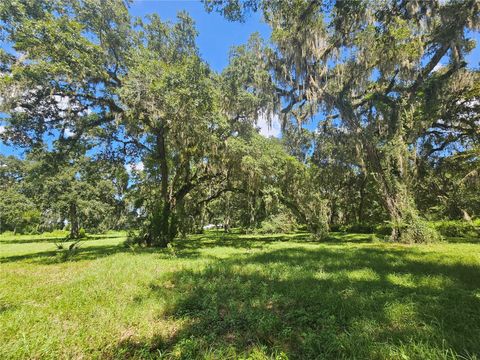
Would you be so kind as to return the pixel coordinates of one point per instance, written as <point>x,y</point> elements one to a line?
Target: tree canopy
<point>125,125</point>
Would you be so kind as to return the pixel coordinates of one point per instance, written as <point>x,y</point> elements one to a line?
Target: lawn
<point>236,296</point>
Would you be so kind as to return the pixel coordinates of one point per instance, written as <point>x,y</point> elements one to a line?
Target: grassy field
<point>239,296</point>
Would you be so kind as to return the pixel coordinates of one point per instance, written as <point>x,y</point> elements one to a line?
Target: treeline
<point>40,194</point>
<point>124,125</point>
<point>269,187</point>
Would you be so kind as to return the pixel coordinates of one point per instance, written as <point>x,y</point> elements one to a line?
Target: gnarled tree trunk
<point>390,172</point>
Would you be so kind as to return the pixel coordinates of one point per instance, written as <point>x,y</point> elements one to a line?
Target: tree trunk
<point>407,225</point>
<point>251,219</point>
<point>163,225</point>
<point>73,215</point>
<point>390,167</point>
<point>226,218</point>
<point>393,205</point>
<point>361,205</point>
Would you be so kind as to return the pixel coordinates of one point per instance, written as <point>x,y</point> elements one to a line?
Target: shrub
<point>420,231</point>
<point>383,229</point>
<point>361,228</point>
<point>338,228</point>
<point>457,228</point>
<point>280,223</point>
<point>82,233</point>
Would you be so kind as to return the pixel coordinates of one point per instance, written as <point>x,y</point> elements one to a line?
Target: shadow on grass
<point>54,239</point>
<point>4,307</point>
<point>184,248</point>
<point>92,252</point>
<point>345,238</point>
<point>463,240</point>
<point>187,248</point>
<point>32,240</point>
<point>356,237</point>
<point>320,303</point>
<point>254,241</point>
<point>57,256</point>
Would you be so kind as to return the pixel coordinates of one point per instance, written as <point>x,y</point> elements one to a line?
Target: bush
<point>383,229</point>
<point>457,228</point>
<point>280,223</point>
<point>338,228</point>
<point>360,228</point>
<point>420,231</point>
<point>82,233</point>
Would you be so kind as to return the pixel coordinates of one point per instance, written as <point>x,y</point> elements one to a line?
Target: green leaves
<point>57,50</point>
<point>17,212</point>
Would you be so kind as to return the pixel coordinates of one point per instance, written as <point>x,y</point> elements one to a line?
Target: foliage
<point>265,171</point>
<point>17,212</point>
<point>419,231</point>
<point>280,223</point>
<point>457,228</point>
<point>170,103</point>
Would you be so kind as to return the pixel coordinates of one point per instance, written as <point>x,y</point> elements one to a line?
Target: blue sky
<point>217,36</point>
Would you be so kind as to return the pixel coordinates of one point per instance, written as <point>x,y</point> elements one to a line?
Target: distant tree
<point>12,171</point>
<point>170,118</point>
<point>59,70</point>
<point>265,174</point>
<point>73,190</point>
<point>18,212</point>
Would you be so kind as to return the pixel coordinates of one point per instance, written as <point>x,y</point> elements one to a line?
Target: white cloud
<point>438,67</point>
<point>64,104</point>
<point>2,129</point>
<point>139,166</point>
<point>135,167</point>
<point>269,128</point>
<point>69,132</point>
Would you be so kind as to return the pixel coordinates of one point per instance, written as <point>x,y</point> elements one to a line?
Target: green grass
<point>240,296</point>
